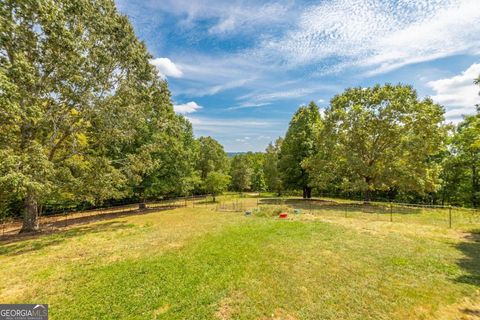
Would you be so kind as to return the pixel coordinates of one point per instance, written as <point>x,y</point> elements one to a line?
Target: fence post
<point>391,212</point>
<point>450,216</point>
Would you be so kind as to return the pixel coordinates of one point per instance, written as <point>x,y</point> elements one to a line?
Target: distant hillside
<point>231,154</point>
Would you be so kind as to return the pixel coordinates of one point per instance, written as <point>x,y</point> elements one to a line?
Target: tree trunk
<point>368,193</point>
<point>142,204</point>
<point>213,195</point>
<point>367,196</point>
<point>309,192</point>
<point>304,192</point>
<point>30,214</point>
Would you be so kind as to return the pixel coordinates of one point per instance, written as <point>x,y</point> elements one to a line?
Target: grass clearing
<point>196,263</point>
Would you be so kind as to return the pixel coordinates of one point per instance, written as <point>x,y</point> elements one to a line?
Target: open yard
<point>199,263</point>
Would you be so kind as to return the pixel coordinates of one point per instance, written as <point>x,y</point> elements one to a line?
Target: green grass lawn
<point>196,263</point>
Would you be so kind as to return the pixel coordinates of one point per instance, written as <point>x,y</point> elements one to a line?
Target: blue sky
<point>239,69</point>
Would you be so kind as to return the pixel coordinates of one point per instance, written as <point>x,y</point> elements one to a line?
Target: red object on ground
<point>283,215</point>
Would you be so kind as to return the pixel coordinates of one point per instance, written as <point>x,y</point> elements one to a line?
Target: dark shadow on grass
<point>108,216</point>
<point>471,312</point>
<point>34,243</point>
<point>329,205</point>
<point>63,222</point>
<point>471,264</point>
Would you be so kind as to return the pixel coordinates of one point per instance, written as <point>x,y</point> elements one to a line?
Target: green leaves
<point>84,115</point>
<point>461,167</point>
<point>216,182</point>
<point>241,171</point>
<point>270,167</point>
<point>380,138</point>
<point>211,157</point>
<point>301,142</point>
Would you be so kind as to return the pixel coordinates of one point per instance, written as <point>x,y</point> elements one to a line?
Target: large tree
<point>461,169</point>
<point>300,143</point>
<point>241,171</point>
<point>163,163</point>
<point>380,138</point>
<point>216,183</point>
<point>211,157</point>
<point>75,86</point>
<point>270,167</point>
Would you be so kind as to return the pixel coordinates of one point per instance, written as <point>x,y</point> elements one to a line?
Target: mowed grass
<point>196,263</point>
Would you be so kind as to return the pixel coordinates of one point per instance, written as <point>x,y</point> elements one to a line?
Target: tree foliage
<point>461,177</point>
<point>380,138</point>
<point>258,180</point>
<point>211,157</point>
<point>241,171</point>
<point>79,98</point>
<point>300,143</point>
<point>216,183</point>
<point>271,171</point>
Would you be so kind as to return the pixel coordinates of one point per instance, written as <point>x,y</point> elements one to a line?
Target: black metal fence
<point>437,215</point>
<point>64,215</point>
<point>441,216</point>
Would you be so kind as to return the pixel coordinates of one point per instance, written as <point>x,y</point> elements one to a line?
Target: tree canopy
<point>216,183</point>
<point>380,138</point>
<point>271,171</point>
<point>211,157</point>
<point>300,143</point>
<point>80,99</point>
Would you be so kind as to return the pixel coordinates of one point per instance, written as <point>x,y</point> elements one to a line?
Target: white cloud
<point>459,94</point>
<point>243,140</point>
<point>279,95</point>
<point>166,68</point>
<point>222,17</point>
<point>219,88</point>
<point>228,123</point>
<point>378,35</point>
<point>240,18</point>
<point>249,104</point>
<point>188,107</point>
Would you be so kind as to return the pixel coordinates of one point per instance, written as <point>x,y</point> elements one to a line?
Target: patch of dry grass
<point>198,263</point>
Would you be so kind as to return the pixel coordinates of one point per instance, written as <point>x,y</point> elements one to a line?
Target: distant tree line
<point>378,143</point>
<point>85,118</point>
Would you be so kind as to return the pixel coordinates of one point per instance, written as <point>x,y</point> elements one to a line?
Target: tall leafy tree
<point>76,85</point>
<point>270,167</point>
<point>461,170</point>
<point>241,171</point>
<point>258,180</point>
<point>164,161</point>
<point>216,183</point>
<point>299,144</point>
<point>211,157</point>
<point>380,138</point>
